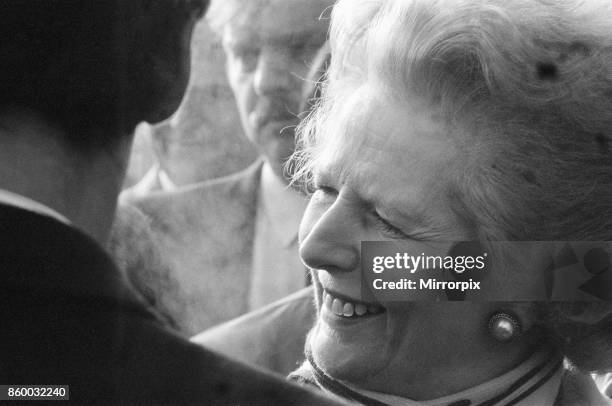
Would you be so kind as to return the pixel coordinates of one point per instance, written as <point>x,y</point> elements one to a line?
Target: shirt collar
<point>282,205</point>
<point>25,203</point>
<point>165,182</point>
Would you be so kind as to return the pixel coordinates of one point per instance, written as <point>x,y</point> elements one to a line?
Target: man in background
<point>150,143</point>
<point>76,77</point>
<point>229,245</point>
<point>196,144</point>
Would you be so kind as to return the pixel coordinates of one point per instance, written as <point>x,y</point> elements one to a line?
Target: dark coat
<point>69,317</point>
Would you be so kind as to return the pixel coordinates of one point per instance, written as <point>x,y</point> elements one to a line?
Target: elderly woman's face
<point>382,175</point>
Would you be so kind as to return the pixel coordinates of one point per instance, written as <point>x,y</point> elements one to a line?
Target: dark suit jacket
<point>69,317</point>
<point>189,251</point>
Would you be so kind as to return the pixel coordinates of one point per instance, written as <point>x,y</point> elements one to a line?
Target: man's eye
<point>298,48</point>
<point>305,46</point>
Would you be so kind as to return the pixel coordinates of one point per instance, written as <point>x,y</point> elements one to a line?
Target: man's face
<point>270,51</point>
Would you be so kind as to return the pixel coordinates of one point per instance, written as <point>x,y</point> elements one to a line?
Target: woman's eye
<point>327,190</point>
<point>389,229</point>
<point>324,193</point>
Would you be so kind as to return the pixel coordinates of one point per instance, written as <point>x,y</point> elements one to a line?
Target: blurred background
<point>204,138</point>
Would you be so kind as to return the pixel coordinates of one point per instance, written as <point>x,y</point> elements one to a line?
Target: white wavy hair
<point>529,82</point>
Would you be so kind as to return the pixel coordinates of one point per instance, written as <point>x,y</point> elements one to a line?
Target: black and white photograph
<point>306,202</point>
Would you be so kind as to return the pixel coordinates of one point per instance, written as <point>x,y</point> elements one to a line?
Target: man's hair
<point>62,58</point>
<point>222,12</point>
<point>89,65</point>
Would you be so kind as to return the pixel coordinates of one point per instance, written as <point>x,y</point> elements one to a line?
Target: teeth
<point>345,308</point>
<point>337,307</point>
<point>361,309</point>
<point>328,300</point>
<point>348,309</point>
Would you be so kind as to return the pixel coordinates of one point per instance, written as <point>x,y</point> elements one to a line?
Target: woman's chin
<point>345,356</point>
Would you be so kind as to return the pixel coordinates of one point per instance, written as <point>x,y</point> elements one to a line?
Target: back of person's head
<point>95,68</point>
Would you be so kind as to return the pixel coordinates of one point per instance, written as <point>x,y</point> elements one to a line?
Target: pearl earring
<point>504,326</point>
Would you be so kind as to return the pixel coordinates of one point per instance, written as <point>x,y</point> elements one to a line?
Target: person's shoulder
<point>222,194</point>
<point>248,176</point>
<point>272,337</point>
<point>298,307</point>
<point>112,352</point>
<point>131,233</point>
<point>179,372</point>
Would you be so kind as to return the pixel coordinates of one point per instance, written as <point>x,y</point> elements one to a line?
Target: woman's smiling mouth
<point>348,308</point>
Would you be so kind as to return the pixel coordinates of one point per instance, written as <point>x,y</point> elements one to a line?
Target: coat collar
<point>44,255</point>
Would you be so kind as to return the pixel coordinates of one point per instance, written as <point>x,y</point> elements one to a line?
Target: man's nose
<point>273,73</point>
<point>333,243</point>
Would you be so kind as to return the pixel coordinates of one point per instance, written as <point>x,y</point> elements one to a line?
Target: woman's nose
<point>331,241</point>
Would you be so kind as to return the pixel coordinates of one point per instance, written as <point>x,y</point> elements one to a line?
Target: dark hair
<point>61,58</point>
<point>77,63</point>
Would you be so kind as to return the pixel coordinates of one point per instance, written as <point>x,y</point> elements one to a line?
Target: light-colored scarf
<point>535,382</point>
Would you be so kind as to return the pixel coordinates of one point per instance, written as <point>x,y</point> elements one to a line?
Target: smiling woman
<point>455,121</point>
